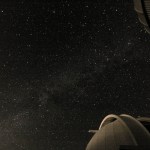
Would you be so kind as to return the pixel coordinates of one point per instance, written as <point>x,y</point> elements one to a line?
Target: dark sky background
<point>64,66</point>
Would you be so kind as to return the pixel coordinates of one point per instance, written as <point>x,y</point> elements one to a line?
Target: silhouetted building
<point>122,132</point>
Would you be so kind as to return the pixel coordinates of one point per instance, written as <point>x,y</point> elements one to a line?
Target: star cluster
<point>64,66</point>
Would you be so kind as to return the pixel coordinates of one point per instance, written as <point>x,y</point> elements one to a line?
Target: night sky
<point>64,66</point>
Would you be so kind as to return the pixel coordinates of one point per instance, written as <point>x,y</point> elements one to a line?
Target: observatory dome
<point>142,7</point>
<point>122,132</point>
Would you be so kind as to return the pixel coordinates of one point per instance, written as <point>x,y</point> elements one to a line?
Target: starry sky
<point>64,66</point>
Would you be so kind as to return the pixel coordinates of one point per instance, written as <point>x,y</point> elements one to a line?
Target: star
<point>64,66</point>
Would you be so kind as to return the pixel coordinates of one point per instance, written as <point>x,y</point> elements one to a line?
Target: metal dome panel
<point>142,7</point>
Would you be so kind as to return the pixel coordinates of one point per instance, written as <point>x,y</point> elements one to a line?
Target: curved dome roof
<point>119,131</point>
<point>142,7</point>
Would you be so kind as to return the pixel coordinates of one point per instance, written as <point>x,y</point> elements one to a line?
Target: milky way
<point>64,66</point>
